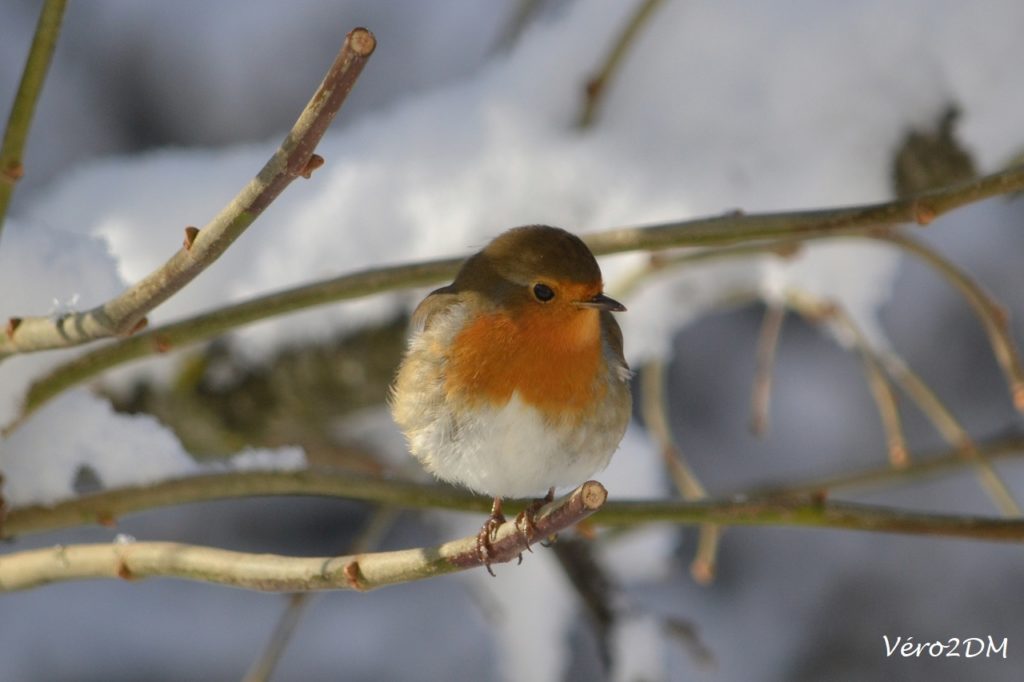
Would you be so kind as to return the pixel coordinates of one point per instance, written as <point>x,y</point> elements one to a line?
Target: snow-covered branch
<point>720,231</point>
<point>125,314</point>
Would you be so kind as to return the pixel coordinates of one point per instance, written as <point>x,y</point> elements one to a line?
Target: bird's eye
<point>543,292</point>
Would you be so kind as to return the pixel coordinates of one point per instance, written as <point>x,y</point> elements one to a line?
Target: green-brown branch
<point>812,511</point>
<point>106,507</point>
<point>32,568</point>
<point>24,106</point>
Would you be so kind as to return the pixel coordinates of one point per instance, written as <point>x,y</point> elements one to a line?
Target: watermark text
<point>954,647</point>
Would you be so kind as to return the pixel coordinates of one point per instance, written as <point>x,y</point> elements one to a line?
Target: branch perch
<point>126,313</point>
<point>272,573</point>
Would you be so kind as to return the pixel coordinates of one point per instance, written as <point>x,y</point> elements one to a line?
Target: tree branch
<point>819,311</point>
<point>655,411</point>
<point>23,109</point>
<point>735,227</point>
<point>812,511</point>
<point>921,466</point>
<point>125,314</point>
<point>598,84</point>
<point>767,344</point>
<point>266,572</point>
<point>104,508</point>
<point>381,520</point>
<point>272,573</point>
<point>217,322</point>
<point>994,318</point>
<point>727,229</point>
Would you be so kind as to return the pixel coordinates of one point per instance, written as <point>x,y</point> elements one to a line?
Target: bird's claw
<point>488,533</point>
<point>526,521</point>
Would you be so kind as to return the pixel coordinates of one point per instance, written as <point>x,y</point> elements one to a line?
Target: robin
<point>514,381</point>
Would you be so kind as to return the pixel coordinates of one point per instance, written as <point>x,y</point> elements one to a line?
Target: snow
<point>719,106</point>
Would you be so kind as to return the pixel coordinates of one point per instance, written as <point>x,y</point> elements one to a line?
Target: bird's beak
<point>602,302</point>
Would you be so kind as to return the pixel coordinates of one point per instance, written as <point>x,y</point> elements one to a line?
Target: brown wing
<point>613,333</point>
<point>437,301</point>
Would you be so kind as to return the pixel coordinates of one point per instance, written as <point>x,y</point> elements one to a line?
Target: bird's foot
<point>488,533</point>
<point>526,521</point>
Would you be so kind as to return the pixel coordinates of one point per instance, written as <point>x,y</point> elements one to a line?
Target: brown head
<point>537,269</point>
<point>541,322</point>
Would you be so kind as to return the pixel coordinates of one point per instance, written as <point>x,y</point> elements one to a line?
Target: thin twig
<point>881,390</point>
<point>654,399</point>
<point>952,431</point>
<point>209,325</point>
<point>992,315</point>
<point>597,592</point>
<point>658,261</point>
<point>767,343</point>
<point>704,566</point>
<point>876,367</point>
<point>264,666</point>
<point>381,519</point>
<point>125,313</point>
<point>922,466</point>
<point>3,506</point>
<point>598,84</point>
<point>516,24</point>
<point>655,412</point>
<point>876,362</point>
<point>272,573</point>
<point>23,108</point>
<point>104,508</point>
<point>727,229</point>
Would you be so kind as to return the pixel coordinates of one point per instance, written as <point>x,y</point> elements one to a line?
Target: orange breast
<point>551,359</point>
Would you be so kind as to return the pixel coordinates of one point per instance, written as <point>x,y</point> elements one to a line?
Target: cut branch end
<point>593,495</point>
<point>362,41</point>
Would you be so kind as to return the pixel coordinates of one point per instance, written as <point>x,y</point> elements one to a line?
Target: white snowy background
<point>155,114</point>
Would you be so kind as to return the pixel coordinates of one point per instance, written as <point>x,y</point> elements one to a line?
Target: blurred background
<point>131,80</point>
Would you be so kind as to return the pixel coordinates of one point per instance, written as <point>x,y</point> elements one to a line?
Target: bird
<point>514,380</point>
